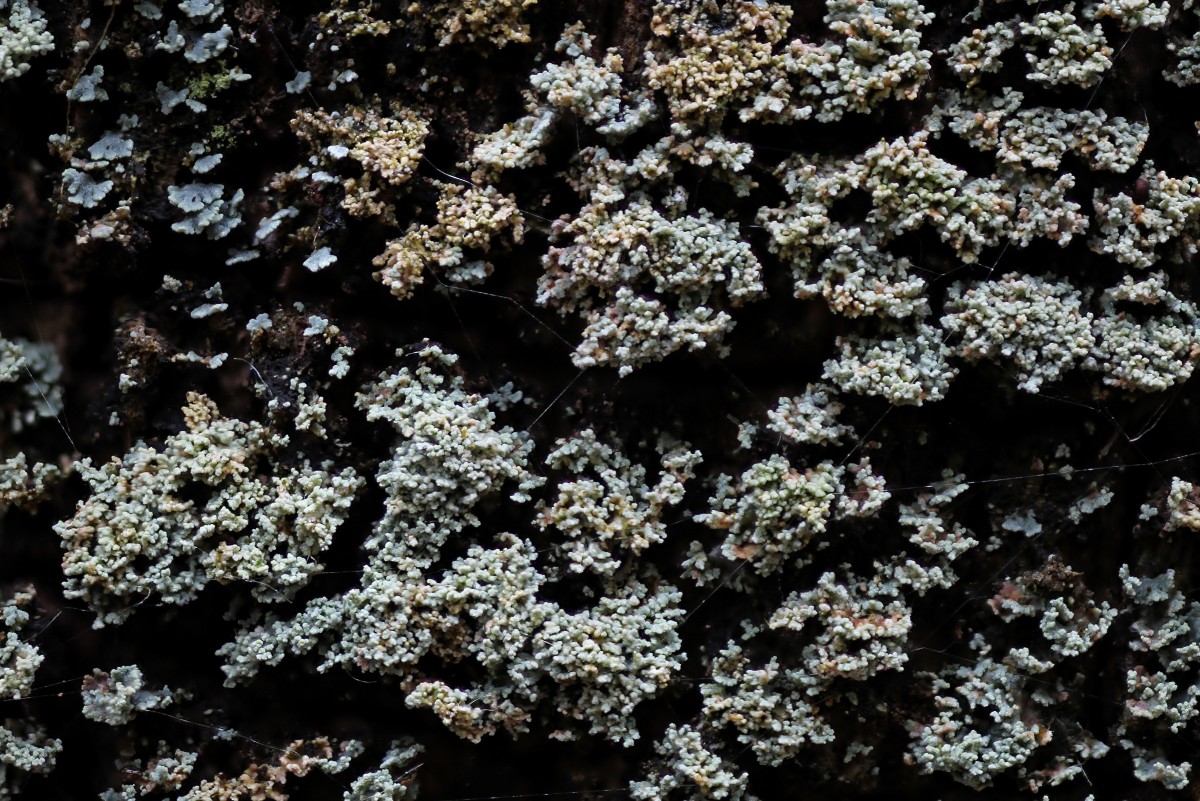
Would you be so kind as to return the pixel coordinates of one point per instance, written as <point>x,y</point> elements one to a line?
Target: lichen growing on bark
<point>681,398</point>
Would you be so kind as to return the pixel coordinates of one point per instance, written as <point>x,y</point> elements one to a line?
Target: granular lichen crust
<point>138,535</point>
<point>680,399</point>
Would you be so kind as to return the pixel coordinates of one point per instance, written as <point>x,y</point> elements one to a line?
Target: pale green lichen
<point>605,509</point>
<point>911,187</point>
<point>769,707</point>
<point>393,780</point>
<point>29,383</point>
<point>909,369</point>
<point>1149,355</point>
<point>23,35</point>
<point>809,419</point>
<point>981,51</point>
<point>1064,52</point>
<point>859,278</point>
<point>861,628</point>
<point>1138,231</point>
<point>648,282</point>
<point>979,729</point>
<point>1041,136</point>
<point>691,770</point>
<point>773,511</point>
<point>23,485</point>
<point>1038,326</point>
<point>24,744</point>
<point>139,535</point>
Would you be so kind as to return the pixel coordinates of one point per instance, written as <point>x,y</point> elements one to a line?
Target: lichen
<point>611,256</point>
<point>114,697</point>
<point>815,358</point>
<point>24,743</point>
<point>908,370</point>
<point>138,535</point>
<point>607,511</point>
<point>690,770</point>
<point>1038,326</point>
<point>23,35</point>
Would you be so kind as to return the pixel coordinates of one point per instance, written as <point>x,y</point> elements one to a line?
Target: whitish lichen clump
<point>23,35</point>
<point>773,511</point>
<point>810,419</point>
<point>143,532</point>
<point>29,383</point>
<point>114,697</point>
<point>992,694</point>
<point>615,513</point>
<point>594,665</point>
<point>1039,326</point>
<point>24,744</point>
<point>690,771</point>
<point>611,256</point>
<point>908,370</point>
